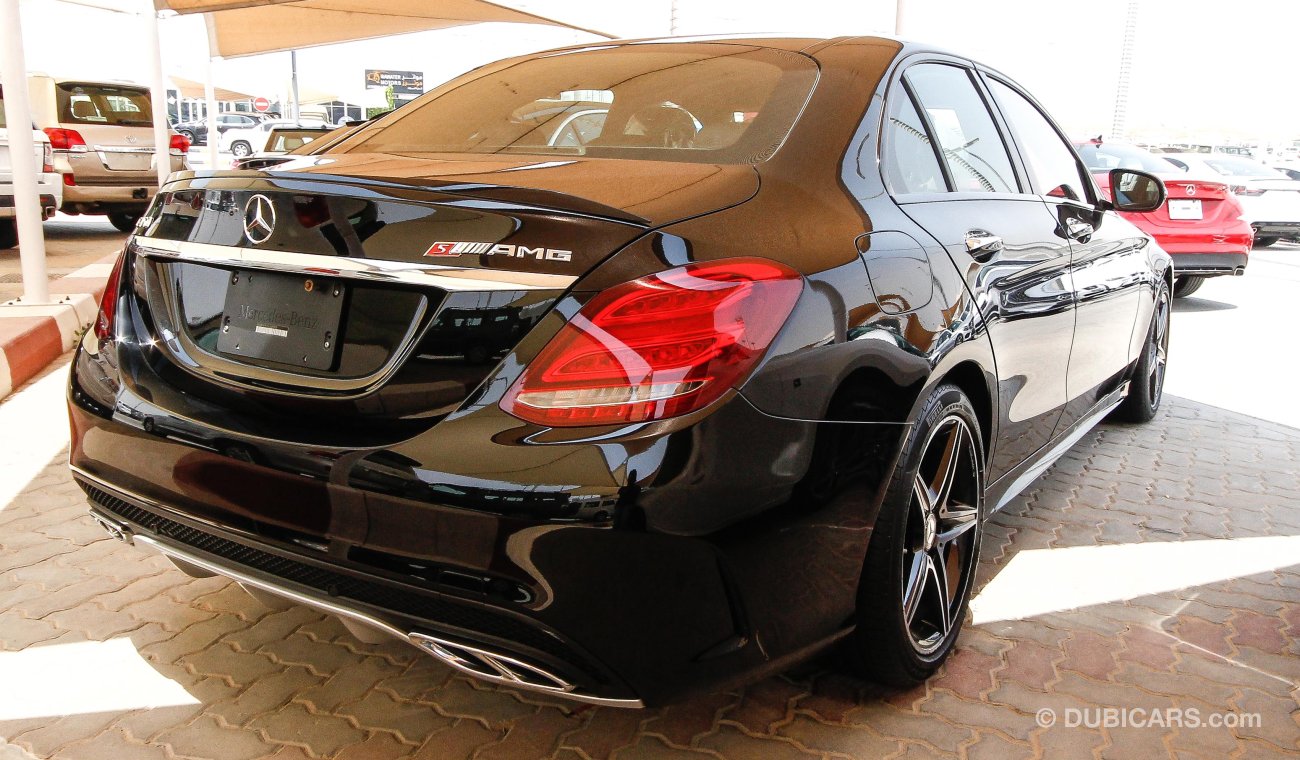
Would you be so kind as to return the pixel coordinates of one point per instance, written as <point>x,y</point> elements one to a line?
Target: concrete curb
<point>33,335</point>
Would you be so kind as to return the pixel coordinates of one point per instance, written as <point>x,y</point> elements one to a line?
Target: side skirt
<point>1010,486</point>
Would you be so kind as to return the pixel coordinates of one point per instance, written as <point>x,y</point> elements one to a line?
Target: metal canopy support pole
<point>210,94</point>
<point>899,17</point>
<point>22,155</point>
<point>293,69</point>
<point>158,85</point>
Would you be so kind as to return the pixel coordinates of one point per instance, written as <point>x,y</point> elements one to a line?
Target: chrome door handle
<point>1077,229</point>
<point>982,244</point>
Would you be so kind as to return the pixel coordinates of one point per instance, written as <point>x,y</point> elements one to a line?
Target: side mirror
<point>1132,190</point>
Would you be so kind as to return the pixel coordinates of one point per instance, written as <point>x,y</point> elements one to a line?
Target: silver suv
<point>102,135</point>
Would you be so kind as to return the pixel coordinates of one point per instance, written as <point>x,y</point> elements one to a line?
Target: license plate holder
<point>1185,208</point>
<point>283,318</point>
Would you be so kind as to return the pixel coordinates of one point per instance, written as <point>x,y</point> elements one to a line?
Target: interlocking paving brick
<point>411,722</point>
<point>603,732</point>
<point>820,737</point>
<point>112,744</point>
<point>322,735</point>
<point>377,746</point>
<point>265,695</point>
<point>535,735</point>
<point>206,737</point>
<point>461,740</point>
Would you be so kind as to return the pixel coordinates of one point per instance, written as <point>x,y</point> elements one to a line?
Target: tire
<point>241,149</point>
<point>1148,383</point>
<point>1187,284</point>
<point>188,135</point>
<point>124,221</point>
<point>902,635</point>
<point>8,234</point>
<point>1266,241</point>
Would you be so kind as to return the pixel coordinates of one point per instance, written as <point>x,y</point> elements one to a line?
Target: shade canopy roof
<point>188,88</point>
<point>248,27</point>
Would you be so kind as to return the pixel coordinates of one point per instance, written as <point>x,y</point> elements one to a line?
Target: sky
<point>1202,69</point>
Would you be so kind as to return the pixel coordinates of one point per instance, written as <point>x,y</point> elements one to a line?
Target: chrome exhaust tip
<point>115,530</point>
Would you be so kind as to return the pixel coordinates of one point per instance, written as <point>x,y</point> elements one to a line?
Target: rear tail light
<point>661,346</point>
<point>47,158</point>
<point>105,322</point>
<point>1245,190</point>
<point>69,179</point>
<point>66,139</point>
<point>180,145</point>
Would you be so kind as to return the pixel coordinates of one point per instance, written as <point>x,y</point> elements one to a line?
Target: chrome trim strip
<point>449,278</point>
<point>507,667</point>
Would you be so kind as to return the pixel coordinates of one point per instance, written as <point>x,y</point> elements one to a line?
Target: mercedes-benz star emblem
<point>259,219</point>
<point>1191,189</point>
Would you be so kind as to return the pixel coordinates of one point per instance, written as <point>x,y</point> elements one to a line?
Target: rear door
<point>1108,260</point>
<point>1000,236</point>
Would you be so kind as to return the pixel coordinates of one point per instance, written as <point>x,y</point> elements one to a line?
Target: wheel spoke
<point>954,520</point>
<point>914,585</point>
<point>941,484</point>
<point>938,567</point>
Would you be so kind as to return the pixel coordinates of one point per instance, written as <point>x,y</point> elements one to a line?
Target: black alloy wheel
<point>1148,383</point>
<point>921,563</point>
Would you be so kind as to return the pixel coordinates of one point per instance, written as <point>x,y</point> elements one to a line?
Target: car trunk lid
<point>374,297</point>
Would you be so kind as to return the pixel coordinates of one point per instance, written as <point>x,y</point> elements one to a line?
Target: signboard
<point>402,82</point>
<point>261,105</point>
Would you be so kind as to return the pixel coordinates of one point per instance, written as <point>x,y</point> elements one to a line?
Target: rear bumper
<point>331,589</point>
<point>1276,229</point>
<point>650,592</point>
<point>92,198</point>
<point>49,204</point>
<point>1209,264</point>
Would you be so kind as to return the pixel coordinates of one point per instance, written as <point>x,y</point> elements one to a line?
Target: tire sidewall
<point>880,614</point>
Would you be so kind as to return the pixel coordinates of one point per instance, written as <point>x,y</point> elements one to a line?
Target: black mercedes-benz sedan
<point>631,371</point>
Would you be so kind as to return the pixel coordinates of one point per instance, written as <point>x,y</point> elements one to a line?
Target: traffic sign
<point>261,105</point>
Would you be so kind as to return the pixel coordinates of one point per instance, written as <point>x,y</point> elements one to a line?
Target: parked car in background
<point>102,136</point>
<point>48,184</point>
<point>270,138</point>
<point>197,131</point>
<point>318,144</point>
<point>735,380</point>
<point>1270,199</point>
<point>1200,225</point>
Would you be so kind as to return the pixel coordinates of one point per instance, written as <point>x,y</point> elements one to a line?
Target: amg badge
<point>454,248</point>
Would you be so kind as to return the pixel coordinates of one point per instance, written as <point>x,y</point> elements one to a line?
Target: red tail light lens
<point>65,139</point>
<point>661,346</point>
<point>69,179</point>
<point>180,144</point>
<point>106,320</point>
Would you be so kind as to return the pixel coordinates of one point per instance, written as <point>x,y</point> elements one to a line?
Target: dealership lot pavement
<point>1142,599</point>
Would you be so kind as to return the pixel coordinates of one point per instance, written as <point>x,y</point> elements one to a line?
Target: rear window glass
<point>711,103</point>
<point>1241,167</point>
<point>285,140</point>
<point>1106,156</point>
<point>104,104</point>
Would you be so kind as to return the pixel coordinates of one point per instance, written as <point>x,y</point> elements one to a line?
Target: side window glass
<point>909,162</point>
<point>968,137</point>
<point>1052,166</point>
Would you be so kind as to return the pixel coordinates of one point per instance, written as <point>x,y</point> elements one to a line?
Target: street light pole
<point>22,155</point>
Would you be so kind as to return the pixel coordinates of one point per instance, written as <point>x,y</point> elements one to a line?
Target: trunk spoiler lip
<point>538,199</point>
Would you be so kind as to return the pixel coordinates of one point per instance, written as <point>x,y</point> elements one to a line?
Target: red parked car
<point>1201,224</point>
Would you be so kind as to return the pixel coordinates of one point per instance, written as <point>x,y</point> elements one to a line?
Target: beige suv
<point>102,134</point>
